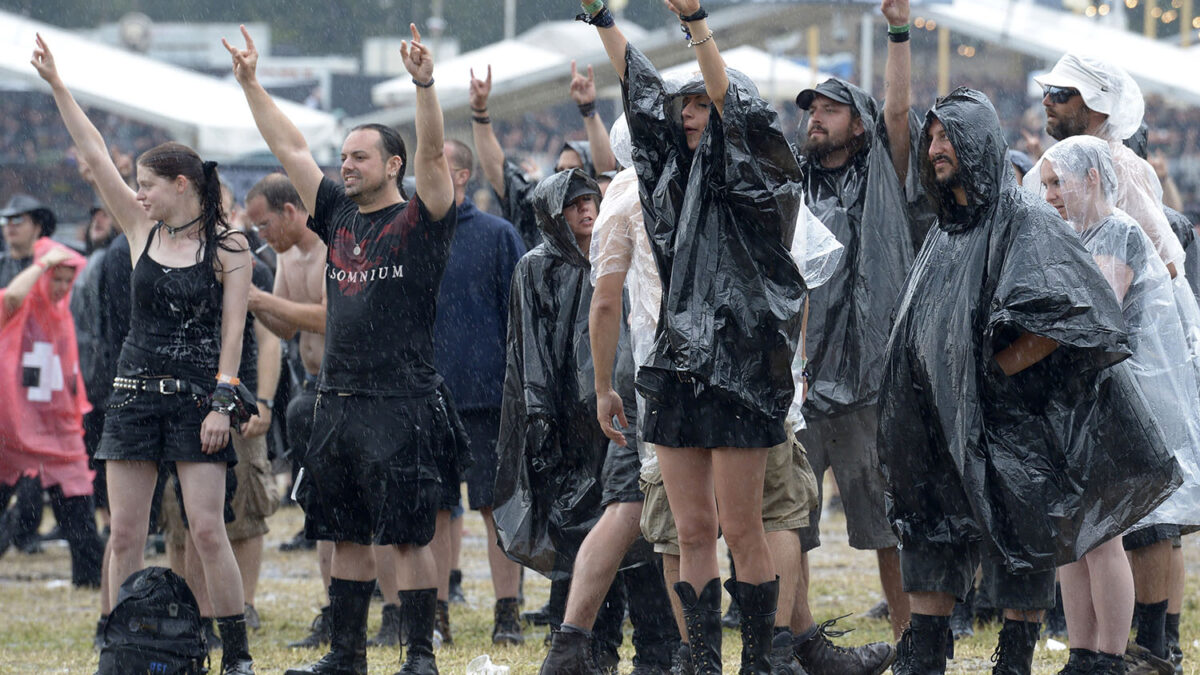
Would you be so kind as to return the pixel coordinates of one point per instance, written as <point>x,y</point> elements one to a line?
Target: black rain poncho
<point>550,448</point>
<point>864,205</point>
<point>720,221</point>
<point>517,204</point>
<point>969,453</point>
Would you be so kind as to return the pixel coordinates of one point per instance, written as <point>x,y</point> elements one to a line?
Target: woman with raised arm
<point>177,373</point>
<point>720,193</point>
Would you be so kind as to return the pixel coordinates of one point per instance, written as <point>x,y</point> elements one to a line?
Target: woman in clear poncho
<point>1078,178</point>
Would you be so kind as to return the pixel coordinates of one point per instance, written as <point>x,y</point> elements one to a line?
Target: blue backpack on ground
<point>154,629</point>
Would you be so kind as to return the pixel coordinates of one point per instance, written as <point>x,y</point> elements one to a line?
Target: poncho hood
<point>548,198</point>
<point>974,130</point>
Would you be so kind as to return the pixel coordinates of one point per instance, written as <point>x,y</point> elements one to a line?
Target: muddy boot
<point>1108,664</point>
<point>389,629</point>
<point>507,627</point>
<point>1080,662</point>
<point>235,657</point>
<point>570,653</point>
<point>783,657</point>
<point>441,622</point>
<point>820,656</point>
<point>318,632</point>
<point>1173,649</point>
<point>346,621</point>
<point>758,623</point>
<point>922,647</point>
<point>702,614</point>
<point>1014,649</point>
<point>418,612</point>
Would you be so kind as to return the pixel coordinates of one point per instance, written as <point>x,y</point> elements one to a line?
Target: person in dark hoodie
<point>994,399</point>
<point>855,160</point>
<point>720,193</point>
<point>550,450</point>
<point>515,189</point>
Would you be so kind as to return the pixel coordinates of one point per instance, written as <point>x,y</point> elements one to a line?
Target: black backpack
<point>154,629</point>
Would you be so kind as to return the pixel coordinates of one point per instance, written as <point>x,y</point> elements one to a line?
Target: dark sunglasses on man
<point>1059,95</point>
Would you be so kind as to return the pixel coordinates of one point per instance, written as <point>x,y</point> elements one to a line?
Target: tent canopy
<point>204,112</point>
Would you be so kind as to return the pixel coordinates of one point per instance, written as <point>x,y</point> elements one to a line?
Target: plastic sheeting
<point>1014,462</point>
<point>550,448</point>
<point>865,207</point>
<point>719,220</point>
<point>1078,179</point>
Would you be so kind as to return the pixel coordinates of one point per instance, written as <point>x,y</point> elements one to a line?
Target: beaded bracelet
<point>423,85</point>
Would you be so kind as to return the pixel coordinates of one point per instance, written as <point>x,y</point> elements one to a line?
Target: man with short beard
<point>854,161</point>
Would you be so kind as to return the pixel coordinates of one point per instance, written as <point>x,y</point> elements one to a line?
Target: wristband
<point>602,19</point>
<point>481,119</point>
<point>593,6</point>
<point>695,16</point>
<point>897,29</point>
<point>898,37</point>
<point>222,400</point>
<point>481,111</point>
<point>423,85</point>
<point>267,402</point>
<point>226,379</point>
<point>587,109</point>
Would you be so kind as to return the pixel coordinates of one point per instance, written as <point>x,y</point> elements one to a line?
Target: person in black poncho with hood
<point>994,399</point>
<point>720,192</point>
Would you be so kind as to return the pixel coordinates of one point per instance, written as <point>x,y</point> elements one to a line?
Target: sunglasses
<point>1059,95</point>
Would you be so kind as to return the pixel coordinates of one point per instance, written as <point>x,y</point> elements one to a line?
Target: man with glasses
<point>24,219</point>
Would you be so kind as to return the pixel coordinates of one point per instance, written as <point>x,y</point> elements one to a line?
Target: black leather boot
<point>702,614</point>
<point>418,612</point>
<point>389,628</point>
<point>506,629</point>
<point>347,625</point>
<point>820,656</point>
<point>1080,662</point>
<point>1014,649</point>
<point>318,633</point>
<point>923,646</point>
<point>757,603</point>
<point>570,654</point>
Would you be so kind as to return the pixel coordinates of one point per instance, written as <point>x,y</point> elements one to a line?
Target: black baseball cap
<point>581,185</point>
<point>829,89</point>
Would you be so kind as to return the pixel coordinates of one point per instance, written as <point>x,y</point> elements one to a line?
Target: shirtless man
<point>297,305</point>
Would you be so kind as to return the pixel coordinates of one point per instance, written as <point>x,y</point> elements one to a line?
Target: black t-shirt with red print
<point>382,277</point>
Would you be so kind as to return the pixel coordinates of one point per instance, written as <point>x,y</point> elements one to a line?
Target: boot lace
<point>825,631</point>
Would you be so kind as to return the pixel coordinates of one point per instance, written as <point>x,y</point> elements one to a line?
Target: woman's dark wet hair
<point>175,159</point>
<point>392,145</point>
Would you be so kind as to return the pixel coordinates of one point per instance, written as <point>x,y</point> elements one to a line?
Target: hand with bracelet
<point>896,12</point>
<point>478,96</point>
<point>417,59</point>
<point>583,90</point>
<point>214,431</point>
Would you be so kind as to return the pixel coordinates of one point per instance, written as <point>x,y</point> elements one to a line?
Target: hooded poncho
<point>968,452</point>
<point>550,448</point>
<point>719,220</point>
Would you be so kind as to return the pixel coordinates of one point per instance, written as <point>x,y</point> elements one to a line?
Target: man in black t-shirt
<point>383,428</point>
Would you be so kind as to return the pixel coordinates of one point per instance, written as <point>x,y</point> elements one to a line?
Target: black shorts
<point>951,569</point>
<point>622,467</point>
<point>93,431</point>
<point>372,471</point>
<point>483,426</point>
<point>679,417</point>
<point>300,423</point>
<point>1151,534</point>
<point>153,427</point>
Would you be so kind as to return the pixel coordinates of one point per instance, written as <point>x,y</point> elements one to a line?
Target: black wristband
<point>481,111</point>
<point>423,85</point>
<point>587,109</point>
<point>601,19</point>
<point>482,119</point>
<point>269,403</point>
<point>699,14</point>
<point>898,37</point>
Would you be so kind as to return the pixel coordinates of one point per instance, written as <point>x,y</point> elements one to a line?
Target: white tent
<point>1046,33</point>
<point>778,78</point>
<point>204,112</point>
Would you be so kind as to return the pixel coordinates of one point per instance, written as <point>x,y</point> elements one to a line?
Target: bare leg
<point>671,575</point>
<point>417,567</point>
<point>1112,595</point>
<point>193,573</point>
<point>1178,575</point>
<point>506,573</point>
<point>598,560</point>
<point>802,618</point>
<point>688,479</point>
<point>1079,604</point>
<point>203,487</point>
<point>105,598</point>
<point>785,551</point>
<point>1151,569</point>
<point>325,562</point>
<point>130,488</point>
<point>441,555</point>
<point>893,589</point>
<point>931,603</point>
<point>248,553</point>
<point>386,573</point>
<point>738,475</point>
<point>352,562</point>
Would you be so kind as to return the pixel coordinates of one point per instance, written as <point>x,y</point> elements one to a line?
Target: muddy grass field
<point>46,626</point>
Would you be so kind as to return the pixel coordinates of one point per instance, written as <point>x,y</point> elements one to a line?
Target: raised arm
<point>898,84</point>
<point>430,167</point>
<point>583,92</point>
<point>118,197</point>
<point>712,66</point>
<point>284,139</point>
<point>487,146</point>
<point>613,39</point>
<point>20,286</point>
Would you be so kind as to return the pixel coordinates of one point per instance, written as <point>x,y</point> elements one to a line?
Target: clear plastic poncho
<point>1078,178</point>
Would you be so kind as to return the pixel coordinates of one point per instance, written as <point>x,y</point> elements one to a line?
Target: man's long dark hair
<point>175,159</point>
<point>391,145</point>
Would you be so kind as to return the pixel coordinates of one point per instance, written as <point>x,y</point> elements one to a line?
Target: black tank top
<point>175,323</point>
